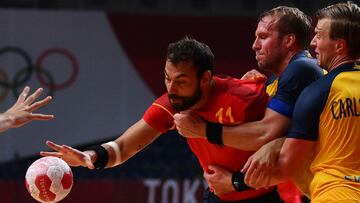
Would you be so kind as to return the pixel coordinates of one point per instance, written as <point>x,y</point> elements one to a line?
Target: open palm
<point>70,155</point>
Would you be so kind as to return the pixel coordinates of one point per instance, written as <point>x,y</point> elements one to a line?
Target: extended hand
<point>22,111</point>
<point>189,125</point>
<point>71,156</point>
<point>219,180</point>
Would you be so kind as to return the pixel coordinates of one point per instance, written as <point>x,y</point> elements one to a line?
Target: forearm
<point>263,168</point>
<point>251,136</point>
<point>280,173</point>
<point>294,161</point>
<point>5,122</point>
<point>247,136</point>
<point>133,140</point>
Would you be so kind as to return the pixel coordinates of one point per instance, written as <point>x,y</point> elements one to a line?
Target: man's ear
<point>206,77</point>
<point>341,46</point>
<point>289,40</point>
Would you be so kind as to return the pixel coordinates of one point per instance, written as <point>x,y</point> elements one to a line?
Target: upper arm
<point>297,76</point>
<point>299,147</point>
<point>308,108</point>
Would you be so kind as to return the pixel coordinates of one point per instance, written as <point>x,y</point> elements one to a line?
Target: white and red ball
<point>49,179</point>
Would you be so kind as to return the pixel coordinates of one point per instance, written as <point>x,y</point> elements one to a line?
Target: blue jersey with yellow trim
<point>284,90</point>
<point>328,111</point>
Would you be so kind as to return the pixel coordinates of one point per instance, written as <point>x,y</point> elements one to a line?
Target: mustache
<point>174,96</point>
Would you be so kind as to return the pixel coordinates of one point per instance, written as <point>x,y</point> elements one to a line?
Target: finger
<point>90,165</point>
<point>177,120</point>
<point>81,158</point>
<point>247,165</point>
<point>267,174</point>
<point>69,149</point>
<point>246,76</point>
<point>177,116</point>
<point>208,180</point>
<point>188,111</point>
<point>267,181</point>
<point>215,191</point>
<point>254,178</point>
<point>211,188</point>
<point>40,117</point>
<point>35,106</point>
<point>206,176</point>
<point>259,179</point>
<point>54,146</point>
<point>34,96</point>
<point>23,94</point>
<point>55,154</point>
<point>251,169</point>
<point>213,168</point>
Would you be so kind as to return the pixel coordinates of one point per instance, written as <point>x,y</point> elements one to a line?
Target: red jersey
<point>233,102</point>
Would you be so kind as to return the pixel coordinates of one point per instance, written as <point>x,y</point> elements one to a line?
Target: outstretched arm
<point>21,112</point>
<point>133,140</point>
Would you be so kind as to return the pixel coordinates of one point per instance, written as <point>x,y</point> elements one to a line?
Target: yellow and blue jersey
<point>285,89</point>
<point>328,111</point>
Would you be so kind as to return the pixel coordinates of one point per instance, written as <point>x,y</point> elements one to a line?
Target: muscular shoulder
<point>308,109</point>
<point>160,114</point>
<point>302,67</point>
<point>299,74</point>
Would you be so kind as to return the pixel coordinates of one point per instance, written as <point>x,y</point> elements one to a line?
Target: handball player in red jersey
<point>191,86</point>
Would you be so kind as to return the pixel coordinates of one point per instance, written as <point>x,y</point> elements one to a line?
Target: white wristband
<point>116,149</point>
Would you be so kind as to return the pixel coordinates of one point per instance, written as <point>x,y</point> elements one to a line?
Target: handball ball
<point>49,179</point>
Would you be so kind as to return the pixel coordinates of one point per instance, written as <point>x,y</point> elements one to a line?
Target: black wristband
<point>214,133</point>
<point>237,181</point>
<point>102,156</point>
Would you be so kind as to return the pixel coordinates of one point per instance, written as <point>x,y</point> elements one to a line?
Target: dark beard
<point>187,102</point>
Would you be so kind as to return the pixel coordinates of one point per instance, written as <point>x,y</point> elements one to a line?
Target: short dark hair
<point>292,21</point>
<point>189,49</point>
<point>345,24</point>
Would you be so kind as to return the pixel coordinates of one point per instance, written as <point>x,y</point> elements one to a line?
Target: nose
<point>256,45</point>
<point>171,87</point>
<point>313,42</point>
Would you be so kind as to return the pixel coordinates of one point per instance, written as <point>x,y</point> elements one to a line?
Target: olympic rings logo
<point>43,75</point>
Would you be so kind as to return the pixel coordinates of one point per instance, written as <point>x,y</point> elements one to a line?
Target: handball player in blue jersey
<point>281,39</point>
<point>324,135</point>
